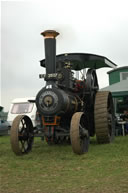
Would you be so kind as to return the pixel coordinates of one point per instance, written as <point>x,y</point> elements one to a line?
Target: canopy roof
<point>118,89</point>
<point>79,61</point>
<point>1,108</point>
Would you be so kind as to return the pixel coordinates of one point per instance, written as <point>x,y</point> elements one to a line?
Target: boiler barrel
<point>56,102</point>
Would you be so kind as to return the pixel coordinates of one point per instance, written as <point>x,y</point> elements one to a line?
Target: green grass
<point>56,169</point>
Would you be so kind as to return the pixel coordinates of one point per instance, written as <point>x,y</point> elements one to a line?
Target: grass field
<point>55,169</point>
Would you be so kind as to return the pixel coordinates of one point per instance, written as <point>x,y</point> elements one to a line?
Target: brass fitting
<point>50,34</point>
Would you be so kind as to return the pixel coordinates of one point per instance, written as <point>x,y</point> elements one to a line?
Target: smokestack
<point>50,50</point>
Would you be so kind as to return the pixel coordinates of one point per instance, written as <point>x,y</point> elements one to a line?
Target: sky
<point>87,26</point>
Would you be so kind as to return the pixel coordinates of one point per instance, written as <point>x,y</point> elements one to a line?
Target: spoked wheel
<point>104,117</point>
<point>78,134</point>
<point>21,135</point>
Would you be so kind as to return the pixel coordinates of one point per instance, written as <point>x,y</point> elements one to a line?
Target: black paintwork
<point>80,61</point>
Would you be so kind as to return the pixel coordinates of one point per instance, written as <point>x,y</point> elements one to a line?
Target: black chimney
<point>50,50</point>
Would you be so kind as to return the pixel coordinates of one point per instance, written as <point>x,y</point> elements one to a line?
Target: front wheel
<point>79,134</point>
<point>22,135</point>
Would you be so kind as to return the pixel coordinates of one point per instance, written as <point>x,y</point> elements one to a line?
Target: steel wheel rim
<point>104,117</point>
<point>22,135</point>
<point>80,143</point>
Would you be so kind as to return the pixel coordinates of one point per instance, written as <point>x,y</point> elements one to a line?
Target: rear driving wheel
<point>104,117</point>
<point>21,135</point>
<point>79,134</point>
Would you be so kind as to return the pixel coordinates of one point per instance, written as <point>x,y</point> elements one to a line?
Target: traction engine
<point>70,110</point>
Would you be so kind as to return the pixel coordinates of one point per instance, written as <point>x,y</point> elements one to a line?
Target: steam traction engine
<point>69,109</point>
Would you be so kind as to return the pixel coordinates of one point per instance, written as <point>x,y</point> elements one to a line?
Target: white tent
<point>118,89</point>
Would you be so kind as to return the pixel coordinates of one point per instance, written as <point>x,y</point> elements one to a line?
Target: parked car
<point>3,127</point>
<point>23,106</point>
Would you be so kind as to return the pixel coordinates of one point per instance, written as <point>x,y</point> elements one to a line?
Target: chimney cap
<point>50,34</point>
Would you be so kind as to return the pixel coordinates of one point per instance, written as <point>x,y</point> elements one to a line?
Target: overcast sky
<point>87,26</point>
